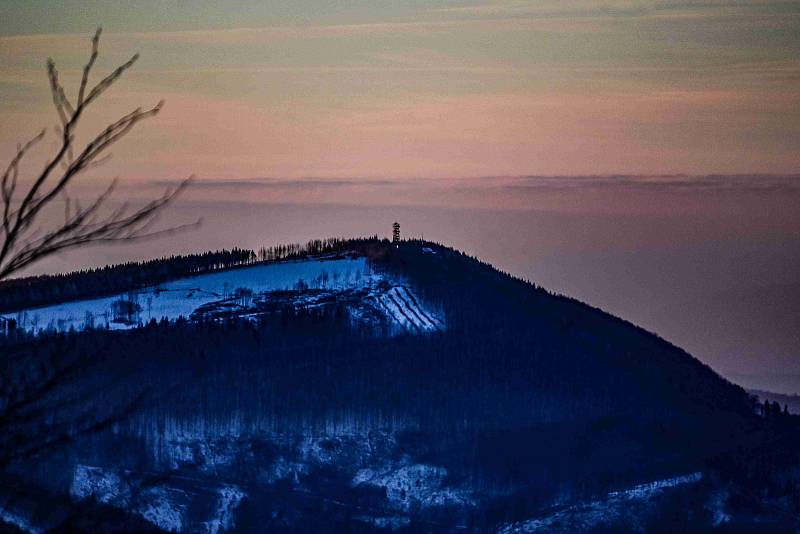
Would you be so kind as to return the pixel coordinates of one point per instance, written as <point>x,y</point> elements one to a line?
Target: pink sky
<point>503,88</point>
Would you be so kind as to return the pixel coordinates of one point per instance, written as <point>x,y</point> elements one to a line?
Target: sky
<point>426,89</point>
<point>642,156</point>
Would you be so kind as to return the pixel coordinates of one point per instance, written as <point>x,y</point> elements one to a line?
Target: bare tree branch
<point>41,405</point>
<point>87,69</point>
<point>23,241</point>
<point>9,181</point>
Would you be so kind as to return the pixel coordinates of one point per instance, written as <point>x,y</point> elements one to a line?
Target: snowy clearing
<point>245,291</point>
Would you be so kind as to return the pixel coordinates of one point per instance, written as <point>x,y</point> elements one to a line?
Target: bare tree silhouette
<point>24,242</point>
<point>45,400</point>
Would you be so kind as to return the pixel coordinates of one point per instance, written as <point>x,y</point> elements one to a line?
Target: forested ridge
<point>513,356</point>
<point>526,393</point>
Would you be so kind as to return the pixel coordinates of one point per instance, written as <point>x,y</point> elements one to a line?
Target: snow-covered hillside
<point>247,291</point>
<point>196,495</point>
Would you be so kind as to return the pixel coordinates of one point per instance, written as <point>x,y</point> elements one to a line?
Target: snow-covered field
<point>238,289</point>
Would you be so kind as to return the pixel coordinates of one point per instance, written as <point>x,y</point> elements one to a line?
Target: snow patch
<point>411,487</point>
<point>228,501</point>
<point>643,491</point>
<point>179,298</point>
<point>164,507</point>
<point>162,500</point>
<point>18,521</point>
<point>245,292</point>
<point>103,485</point>
<point>617,506</point>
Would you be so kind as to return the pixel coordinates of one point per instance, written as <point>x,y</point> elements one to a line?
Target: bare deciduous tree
<point>45,400</point>
<point>24,241</point>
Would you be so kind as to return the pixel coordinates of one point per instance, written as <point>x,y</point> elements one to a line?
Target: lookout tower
<point>396,233</point>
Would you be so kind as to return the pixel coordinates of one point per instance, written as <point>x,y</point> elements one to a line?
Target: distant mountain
<point>370,387</point>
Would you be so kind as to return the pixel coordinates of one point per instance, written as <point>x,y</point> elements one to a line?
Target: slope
<point>525,400</point>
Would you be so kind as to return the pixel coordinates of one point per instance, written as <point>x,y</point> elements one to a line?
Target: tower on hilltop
<point>396,233</point>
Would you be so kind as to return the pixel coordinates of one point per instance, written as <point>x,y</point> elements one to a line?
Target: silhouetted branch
<point>24,243</point>
<point>45,401</point>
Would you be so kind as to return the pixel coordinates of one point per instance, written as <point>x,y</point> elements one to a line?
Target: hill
<point>374,387</point>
